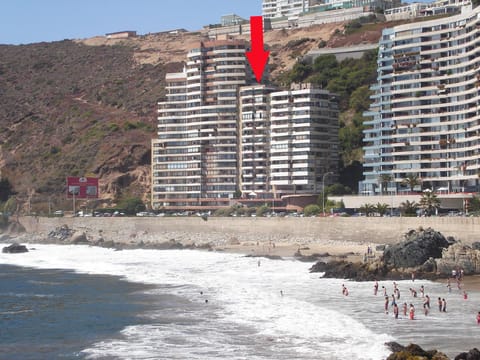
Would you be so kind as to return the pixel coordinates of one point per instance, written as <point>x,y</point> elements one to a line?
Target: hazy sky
<point>29,21</point>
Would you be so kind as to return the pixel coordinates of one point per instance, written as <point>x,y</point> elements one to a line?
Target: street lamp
<point>323,190</point>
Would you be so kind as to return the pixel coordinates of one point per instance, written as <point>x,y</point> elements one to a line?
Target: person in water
<point>444,305</point>
<point>478,318</point>
<point>404,309</point>
<point>395,310</point>
<point>412,312</point>
<point>375,288</point>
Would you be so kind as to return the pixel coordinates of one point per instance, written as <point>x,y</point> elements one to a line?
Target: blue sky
<point>29,21</point>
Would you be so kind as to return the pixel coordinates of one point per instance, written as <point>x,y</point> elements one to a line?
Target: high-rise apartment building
<point>220,134</point>
<point>303,138</point>
<point>254,131</point>
<point>194,160</point>
<point>425,119</point>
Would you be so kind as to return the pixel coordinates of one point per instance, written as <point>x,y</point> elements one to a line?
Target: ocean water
<point>186,304</point>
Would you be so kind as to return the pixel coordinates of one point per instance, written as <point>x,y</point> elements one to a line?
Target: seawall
<point>225,230</point>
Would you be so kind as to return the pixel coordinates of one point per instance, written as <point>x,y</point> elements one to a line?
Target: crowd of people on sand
<point>393,301</point>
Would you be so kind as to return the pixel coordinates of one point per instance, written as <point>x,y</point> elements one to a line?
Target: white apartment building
<point>285,8</point>
<point>425,119</point>
<point>303,139</point>
<point>254,131</point>
<point>194,159</point>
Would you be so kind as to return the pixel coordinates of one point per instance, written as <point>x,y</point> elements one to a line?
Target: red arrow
<point>258,56</point>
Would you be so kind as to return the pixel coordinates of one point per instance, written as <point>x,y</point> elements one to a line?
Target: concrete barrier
<point>194,229</point>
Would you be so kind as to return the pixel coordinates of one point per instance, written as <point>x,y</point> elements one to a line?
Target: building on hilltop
<point>424,121</point>
<point>121,34</point>
<point>222,136</point>
<point>419,9</point>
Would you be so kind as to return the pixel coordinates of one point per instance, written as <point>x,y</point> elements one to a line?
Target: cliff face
<point>89,106</point>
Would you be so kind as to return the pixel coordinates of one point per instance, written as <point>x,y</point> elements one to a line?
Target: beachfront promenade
<point>227,229</point>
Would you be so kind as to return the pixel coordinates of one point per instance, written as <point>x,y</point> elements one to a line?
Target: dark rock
<point>473,354</point>
<point>476,245</point>
<point>380,248</point>
<point>416,249</point>
<point>15,249</point>
<point>348,270</point>
<point>429,266</point>
<point>413,351</point>
<point>394,346</point>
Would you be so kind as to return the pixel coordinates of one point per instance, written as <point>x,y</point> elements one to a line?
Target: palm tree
<point>429,202</point>
<point>411,181</point>
<point>384,179</point>
<point>409,208</point>
<point>381,208</point>
<point>368,209</point>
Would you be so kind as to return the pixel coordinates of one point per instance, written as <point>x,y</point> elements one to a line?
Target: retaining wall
<point>361,229</point>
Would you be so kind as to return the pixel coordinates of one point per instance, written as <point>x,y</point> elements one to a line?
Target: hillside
<point>88,106</point>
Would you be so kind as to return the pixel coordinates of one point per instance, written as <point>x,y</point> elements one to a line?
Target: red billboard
<point>82,187</point>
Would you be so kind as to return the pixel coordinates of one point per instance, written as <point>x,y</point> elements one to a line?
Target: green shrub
<point>312,210</point>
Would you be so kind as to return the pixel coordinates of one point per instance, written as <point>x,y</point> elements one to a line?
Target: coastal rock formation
<point>459,256</point>
<point>473,354</point>
<point>60,234</point>
<point>15,249</point>
<point>418,253</point>
<point>349,270</point>
<point>413,351</point>
<point>418,247</point>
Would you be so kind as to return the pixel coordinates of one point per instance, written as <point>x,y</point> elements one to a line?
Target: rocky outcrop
<point>348,270</point>
<point>459,256</point>
<point>426,252</point>
<point>15,249</point>
<point>413,351</point>
<point>473,354</point>
<point>418,247</point>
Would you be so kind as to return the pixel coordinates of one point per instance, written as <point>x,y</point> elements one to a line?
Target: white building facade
<point>425,120</point>
<point>303,139</point>
<point>194,159</point>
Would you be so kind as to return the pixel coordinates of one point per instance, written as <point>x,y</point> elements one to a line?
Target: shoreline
<point>311,252</point>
